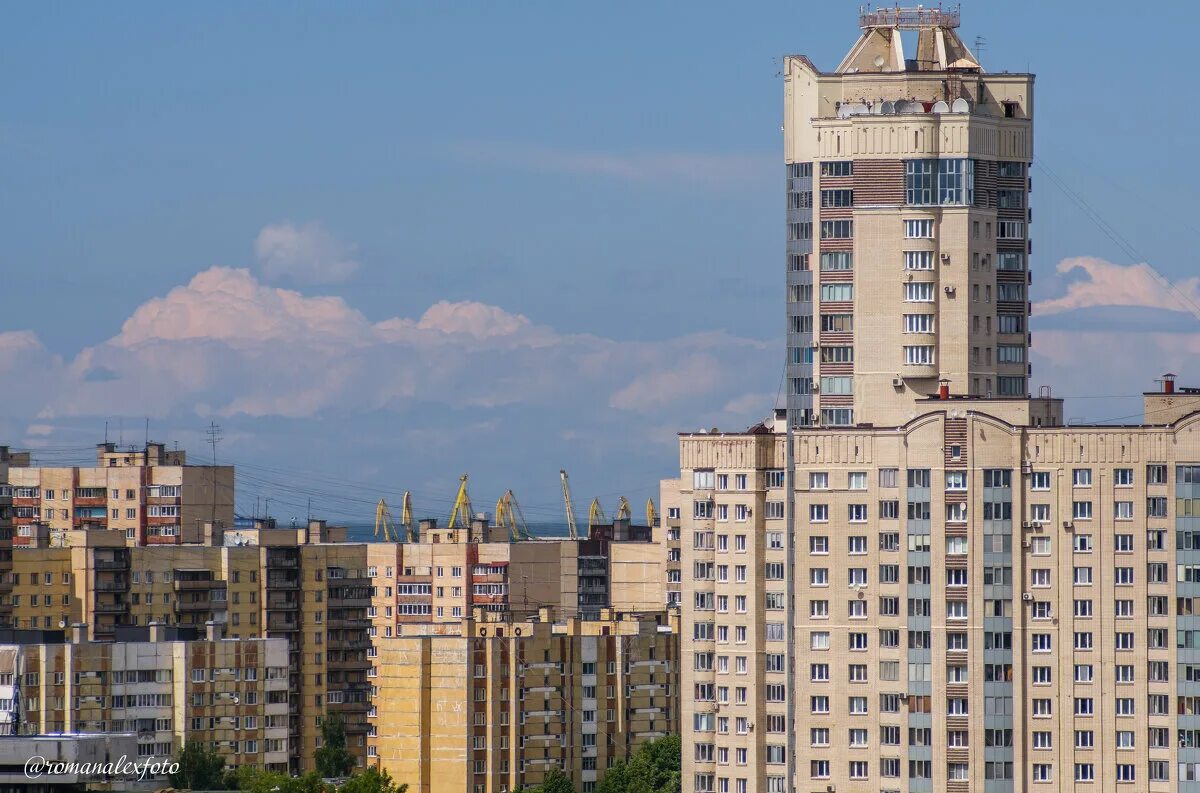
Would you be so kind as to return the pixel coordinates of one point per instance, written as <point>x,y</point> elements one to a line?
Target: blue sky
<point>593,189</point>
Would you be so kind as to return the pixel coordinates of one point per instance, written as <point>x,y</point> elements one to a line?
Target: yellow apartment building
<point>165,685</point>
<point>147,496</point>
<point>490,704</point>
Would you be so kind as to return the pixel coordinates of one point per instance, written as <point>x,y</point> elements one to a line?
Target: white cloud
<point>305,253</point>
<point>1109,284</point>
<point>226,344</point>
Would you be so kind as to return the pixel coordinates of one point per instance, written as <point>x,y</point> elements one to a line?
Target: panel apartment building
<point>299,586</point>
<point>163,685</point>
<point>331,599</point>
<point>492,703</point>
<point>150,496</point>
<point>917,578</point>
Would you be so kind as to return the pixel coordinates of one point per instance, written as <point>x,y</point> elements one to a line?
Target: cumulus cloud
<point>1108,284</point>
<point>305,253</point>
<point>227,344</point>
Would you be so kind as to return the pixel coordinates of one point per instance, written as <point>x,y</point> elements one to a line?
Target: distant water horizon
<point>365,532</point>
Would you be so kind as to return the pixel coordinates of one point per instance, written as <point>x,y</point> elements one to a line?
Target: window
<point>837,385</point>
<point>918,292</point>
<point>1010,323</point>
<point>918,323</point>
<point>837,198</point>
<point>1010,230</point>
<point>1010,353</point>
<point>918,260</point>
<point>918,229</point>
<point>918,355</point>
<point>837,293</point>
<point>837,229</point>
<point>1081,510</point>
<point>837,168</point>
<point>837,354</point>
<point>1010,292</point>
<point>1008,260</point>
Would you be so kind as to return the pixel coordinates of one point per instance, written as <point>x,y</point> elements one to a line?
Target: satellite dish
<point>879,61</point>
<point>62,623</point>
<point>941,107</point>
<point>859,109</point>
<point>960,105</point>
<point>843,111</point>
<point>904,106</point>
<point>887,108</point>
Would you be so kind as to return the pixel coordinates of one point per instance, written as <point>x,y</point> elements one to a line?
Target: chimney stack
<point>943,389</point>
<point>1168,383</point>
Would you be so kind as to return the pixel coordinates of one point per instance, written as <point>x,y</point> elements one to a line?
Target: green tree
<point>615,779</point>
<point>372,781</point>
<point>333,759</point>
<point>199,768</point>
<point>556,782</point>
<point>656,767</point>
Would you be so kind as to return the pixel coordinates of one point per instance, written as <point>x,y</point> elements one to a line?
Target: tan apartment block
<point>315,595</point>
<point>149,496</point>
<point>977,603</point>
<point>157,683</point>
<point>492,704</point>
<point>908,223</point>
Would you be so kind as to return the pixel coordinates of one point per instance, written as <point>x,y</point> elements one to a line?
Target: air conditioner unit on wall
<point>1026,596</point>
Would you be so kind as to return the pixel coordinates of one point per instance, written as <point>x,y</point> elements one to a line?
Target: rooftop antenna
<point>980,46</point>
<point>214,437</point>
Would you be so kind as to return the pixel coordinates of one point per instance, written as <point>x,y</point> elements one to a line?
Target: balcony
<point>196,585</point>
<point>282,604</point>
<point>111,564</point>
<point>121,585</point>
<point>283,583</point>
<point>110,608</point>
<point>350,623</point>
<point>193,606</point>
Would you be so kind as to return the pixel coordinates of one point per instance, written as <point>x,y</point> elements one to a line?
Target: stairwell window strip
<point>918,260</point>
<point>918,229</point>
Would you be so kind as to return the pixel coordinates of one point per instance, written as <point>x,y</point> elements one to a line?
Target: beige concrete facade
<point>231,695</point>
<point>315,595</point>
<point>150,496</point>
<point>908,225</point>
<point>978,605</point>
<point>491,704</point>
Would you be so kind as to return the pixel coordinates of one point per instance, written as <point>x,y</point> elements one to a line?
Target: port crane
<point>596,516</point>
<point>624,511</point>
<point>510,516</point>
<point>462,513</point>
<point>384,525</point>
<point>570,507</point>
